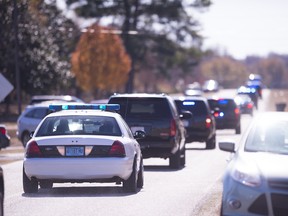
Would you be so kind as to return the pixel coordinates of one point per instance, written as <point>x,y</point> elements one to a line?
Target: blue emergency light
<point>188,103</point>
<point>103,107</point>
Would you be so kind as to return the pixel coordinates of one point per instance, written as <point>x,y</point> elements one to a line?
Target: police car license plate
<point>74,151</point>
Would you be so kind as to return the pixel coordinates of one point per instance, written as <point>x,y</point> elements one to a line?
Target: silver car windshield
<point>268,137</point>
<point>79,125</point>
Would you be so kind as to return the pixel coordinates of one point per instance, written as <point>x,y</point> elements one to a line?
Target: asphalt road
<point>194,190</point>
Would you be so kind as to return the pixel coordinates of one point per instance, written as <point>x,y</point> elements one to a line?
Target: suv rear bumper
<point>198,136</point>
<point>159,149</point>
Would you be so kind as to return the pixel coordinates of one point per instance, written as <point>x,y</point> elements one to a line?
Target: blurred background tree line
<point>147,46</point>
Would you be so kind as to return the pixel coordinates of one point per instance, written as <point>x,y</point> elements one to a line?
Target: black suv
<point>226,113</point>
<point>157,115</point>
<point>201,127</point>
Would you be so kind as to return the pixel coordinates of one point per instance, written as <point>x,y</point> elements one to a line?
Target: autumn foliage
<point>100,61</point>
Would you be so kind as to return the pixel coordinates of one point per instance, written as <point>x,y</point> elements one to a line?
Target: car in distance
<point>245,104</point>
<point>83,143</point>
<point>31,117</point>
<point>227,113</point>
<point>256,178</point>
<point>202,126</point>
<point>157,115</point>
<point>29,120</point>
<point>210,86</point>
<point>251,92</point>
<point>64,98</point>
<point>193,89</point>
<point>4,137</point>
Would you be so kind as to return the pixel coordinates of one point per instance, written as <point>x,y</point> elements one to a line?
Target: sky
<point>246,27</point>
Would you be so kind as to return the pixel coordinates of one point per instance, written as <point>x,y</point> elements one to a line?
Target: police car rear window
<point>79,125</point>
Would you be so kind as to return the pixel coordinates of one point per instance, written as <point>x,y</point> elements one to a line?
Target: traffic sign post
<point>5,87</point>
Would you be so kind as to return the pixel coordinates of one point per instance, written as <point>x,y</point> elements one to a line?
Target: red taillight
<point>249,105</point>
<point>117,149</point>
<point>208,122</point>
<point>173,128</point>
<point>216,114</point>
<point>2,130</point>
<point>237,111</point>
<point>33,150</point>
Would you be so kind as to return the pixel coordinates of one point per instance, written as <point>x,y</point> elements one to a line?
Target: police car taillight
<point>117,149</point>
<point>104,107</point>
<point>33,150</point>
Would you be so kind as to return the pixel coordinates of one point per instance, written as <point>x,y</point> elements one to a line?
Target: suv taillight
<point>236,111</point>
<point>249,105</point>
<point>3,131</point>
<point>117,149</point>
<point>33,150</point>
<point>208,122</point>
<point>173,129</point>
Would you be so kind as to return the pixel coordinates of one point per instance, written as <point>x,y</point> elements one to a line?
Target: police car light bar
<point>104,107</point>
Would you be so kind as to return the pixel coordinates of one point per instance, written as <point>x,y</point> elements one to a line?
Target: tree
<point>45,38</point>
<point>229,72</point>
<point>100,61</point>
<point>172,18</point>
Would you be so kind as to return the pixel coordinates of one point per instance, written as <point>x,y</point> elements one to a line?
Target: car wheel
<point>183,157</point>
<point>25,138</point>
<point>46,184</point>
<point>211,143</point>
<point>238,129</point>
<point>130,185</point>
<point>140,179</point>
<point>29,186</point>
<point>1,204</point>
<point>174,160</point>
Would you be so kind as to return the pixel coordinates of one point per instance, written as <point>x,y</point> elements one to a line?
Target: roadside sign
<point>5,87</point>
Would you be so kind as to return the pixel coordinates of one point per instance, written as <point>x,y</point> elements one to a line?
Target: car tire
<point>25,138</point>
<point>211,143</point>
<point>29,186</point>
<point>46,184</point>
<point>174,160</point>
<point>1,204</point>
<point>183,157</point>
<point>238,129</point>
<point>140,179</point>
<point>130,185</point>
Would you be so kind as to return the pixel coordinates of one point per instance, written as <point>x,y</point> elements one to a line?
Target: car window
<point>269,138</point>
<point>194,106</point>
<point>81,125</point>
<point>37,113</point>
<point>222,104</point>
<point>143,107</point>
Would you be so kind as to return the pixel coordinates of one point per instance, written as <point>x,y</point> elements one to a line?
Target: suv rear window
<point>222,104</point>
<point>195,107</point>
<point>143,107</point>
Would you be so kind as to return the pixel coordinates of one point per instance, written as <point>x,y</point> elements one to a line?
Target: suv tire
<point>175,160</point>
<point>211,143</point>
<point>238,129</point>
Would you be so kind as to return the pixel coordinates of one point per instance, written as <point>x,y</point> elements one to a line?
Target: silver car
<point>29,120</point>
<point>256,179</point>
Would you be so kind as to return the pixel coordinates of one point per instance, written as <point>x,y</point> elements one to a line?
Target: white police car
<point>83,143</point>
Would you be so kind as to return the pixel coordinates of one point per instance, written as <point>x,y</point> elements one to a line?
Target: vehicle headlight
<point>247,175</point>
